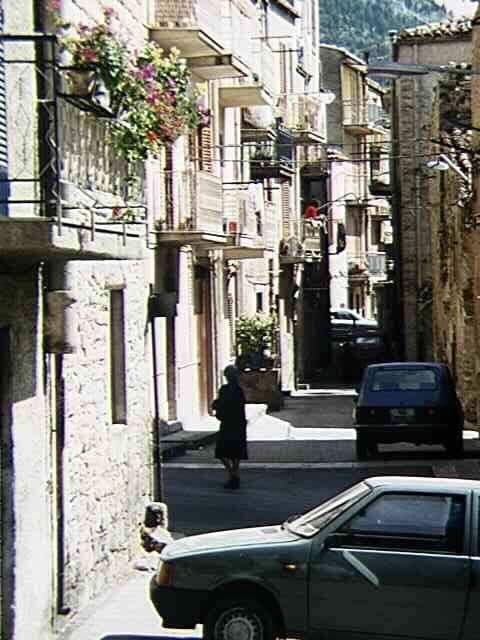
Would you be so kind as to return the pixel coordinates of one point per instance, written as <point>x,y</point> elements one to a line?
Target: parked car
<point>347,322</point>
<point>408,402</point>
<point>390,557</point>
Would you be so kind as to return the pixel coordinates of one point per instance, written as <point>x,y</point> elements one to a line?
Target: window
<point>404,379</point>
<point>375,156</point>
<point>117,357</point>
<point>259,301</point>
<point>376,231</point>
<point>408,521</point>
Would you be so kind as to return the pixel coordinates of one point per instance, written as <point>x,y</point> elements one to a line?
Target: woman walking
<point>229,407</point>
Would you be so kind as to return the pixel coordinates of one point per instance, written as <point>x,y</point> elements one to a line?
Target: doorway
<point>203,309</point>
<point>7,523</point>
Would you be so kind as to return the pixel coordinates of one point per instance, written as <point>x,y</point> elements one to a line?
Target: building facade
<point>413,98</point>
<point>121,284</point>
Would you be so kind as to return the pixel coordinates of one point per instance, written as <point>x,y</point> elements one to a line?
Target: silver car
<point>390,557</point>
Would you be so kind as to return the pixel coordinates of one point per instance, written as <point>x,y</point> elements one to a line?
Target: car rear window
<point>404,380</point>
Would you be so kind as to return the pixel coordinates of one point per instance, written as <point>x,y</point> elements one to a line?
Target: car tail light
<point>165,574</point>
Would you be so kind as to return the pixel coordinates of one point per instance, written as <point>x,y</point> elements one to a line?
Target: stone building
<point>359,183</point>
<point>412,100</point>
<point>76,424</point>
<point>454,236</point>
<point>115,328</point>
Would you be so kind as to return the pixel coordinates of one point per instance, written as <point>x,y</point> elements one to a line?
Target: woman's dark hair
<point>231,373</point>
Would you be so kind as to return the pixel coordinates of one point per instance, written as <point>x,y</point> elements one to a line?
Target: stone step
<point>170,426</point>
<point>169,450</point>
<point>189,439</point>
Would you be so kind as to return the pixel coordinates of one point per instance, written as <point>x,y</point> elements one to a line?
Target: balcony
<point>193,27</point>
<point>273,159</point>
<point>379,184</point>
<point>64,191</point>
<point>314,234</point>
<point>361,117</point>
<point>311,248</point>
<point>305,116</point>
<point>240,225</point>
<point>192,205</point>
<point>377,264</point>
<point>245,94</point>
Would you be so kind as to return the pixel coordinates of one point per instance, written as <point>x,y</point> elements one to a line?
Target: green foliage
<point>363,25</point>
<point>150,92</point>
<point>255,333</point>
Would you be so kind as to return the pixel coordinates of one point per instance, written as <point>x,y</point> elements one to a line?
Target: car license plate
<point>402,416</point>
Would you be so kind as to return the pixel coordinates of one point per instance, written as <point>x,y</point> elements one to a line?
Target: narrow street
<point>298,457</point>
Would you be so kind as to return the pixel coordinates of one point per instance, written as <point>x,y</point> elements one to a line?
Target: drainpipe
<point>61,338</point>
<point>157,480</point>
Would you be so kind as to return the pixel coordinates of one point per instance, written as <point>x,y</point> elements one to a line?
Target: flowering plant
<point>159,104</point>
<point>150,92</point>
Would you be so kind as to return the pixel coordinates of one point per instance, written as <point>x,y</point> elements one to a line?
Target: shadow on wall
<point>4,191</point>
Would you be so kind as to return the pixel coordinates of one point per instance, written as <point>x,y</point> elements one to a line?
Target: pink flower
<point>88,54</point>
<point>153,97</point>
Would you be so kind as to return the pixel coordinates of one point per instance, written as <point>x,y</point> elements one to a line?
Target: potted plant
<point>255,339</point>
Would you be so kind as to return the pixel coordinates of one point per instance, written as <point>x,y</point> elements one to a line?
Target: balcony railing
<point>363,116</point>
<point>369,264</point>
<point>305,116</point>
<point>190,25</point>
<point>188,207</point>
<point>273,159</point>
<point>59,173</point>
<point>377,264</point>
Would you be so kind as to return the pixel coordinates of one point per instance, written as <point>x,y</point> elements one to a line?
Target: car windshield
<point>404,379</point>
<point>311,522</point>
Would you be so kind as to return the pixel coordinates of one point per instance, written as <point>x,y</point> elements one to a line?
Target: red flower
<point>88,54</point>
<point>152,136</point>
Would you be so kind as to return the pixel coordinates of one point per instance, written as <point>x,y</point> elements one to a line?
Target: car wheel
<point>361,446</point>
<point>238,619</point>
<point>455,445</point>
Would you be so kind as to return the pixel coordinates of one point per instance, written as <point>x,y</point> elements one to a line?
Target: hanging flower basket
<point>147,93</point>
<point>81,83</point>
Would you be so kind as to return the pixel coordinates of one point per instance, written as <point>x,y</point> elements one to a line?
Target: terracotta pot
<point>81,83</point>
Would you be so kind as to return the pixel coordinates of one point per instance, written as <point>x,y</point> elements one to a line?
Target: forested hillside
<point>363,25</point>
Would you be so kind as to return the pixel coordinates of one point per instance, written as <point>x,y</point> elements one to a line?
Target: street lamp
<point>443,163</point>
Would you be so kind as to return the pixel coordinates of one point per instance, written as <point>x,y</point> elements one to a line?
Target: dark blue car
<point>408,402</point>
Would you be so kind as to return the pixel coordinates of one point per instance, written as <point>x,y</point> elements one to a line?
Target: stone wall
<point>454,246</point>
<point>413,107</point>
<point>106,466</point>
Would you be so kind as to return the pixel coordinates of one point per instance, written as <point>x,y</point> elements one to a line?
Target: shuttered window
<point>205,149</point>
<point>285,192</point>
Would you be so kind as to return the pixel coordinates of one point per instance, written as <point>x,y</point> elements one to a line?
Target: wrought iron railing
<point>60,163</point>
